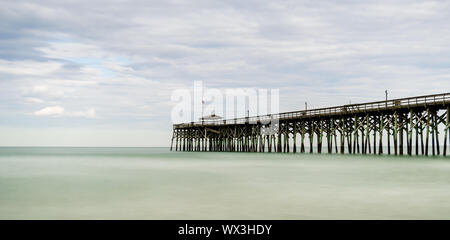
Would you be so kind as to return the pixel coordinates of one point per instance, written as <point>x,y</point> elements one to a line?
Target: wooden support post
<point>261,142</point>
<point>181,139</point>
<point>410,133</point>
<point>367,137</point>
<point>422,146</point>
<point>433,117</point>
<point>319,137</point>
<point>265,140</point>
<point>356,138</point>
<point>279,139</point>
<point>311,138</point>
<point>303,131</point>
<point>294,150</point>
<point>198,143</point>
<point>269,141</point>
<point>184,141</point>
<point>271,146</point>
<point>255,143</point>
<point>208,145</point>
<point>186,146</point>
<point>176,141</point>
<point>330,135</point>
<point>335,137</point>
<point>274,141</point>
<point>395,133</point>
<point>428,132</point>
<point>407,126</point>
<point>374,136</point>
<point>416,127</point>
<point>189,141</point>
<point>362,141</point>
<point>217,143</point>
<point>368,129</point>
<point>193,139</point>
<point>287,137</point>
<point>252,143</point>
<point>247,143</point>
<point>342,136</point>
<point>401,127</point>
<point>205,142</point>
<point>329,139</point>
<point>287,141</point>
<point>388,130</point>
<point>447,122</point>
<point>349,134</point>
<point>436,128</point>
<point>380,130</point>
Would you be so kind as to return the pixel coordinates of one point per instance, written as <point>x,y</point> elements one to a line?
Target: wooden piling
<point>294,138</point>
<point>428,132</point>
<point>380,130</point>
<point>446,129</point>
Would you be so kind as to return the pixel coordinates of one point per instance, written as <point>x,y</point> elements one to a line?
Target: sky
<point>101,73</point>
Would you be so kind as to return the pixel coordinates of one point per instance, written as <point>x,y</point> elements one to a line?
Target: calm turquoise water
<point>153,183</point>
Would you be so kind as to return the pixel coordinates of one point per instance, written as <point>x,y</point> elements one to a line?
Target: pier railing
<point>393,104</point>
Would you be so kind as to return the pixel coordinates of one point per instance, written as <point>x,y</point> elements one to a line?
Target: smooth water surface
<point>153,183</point>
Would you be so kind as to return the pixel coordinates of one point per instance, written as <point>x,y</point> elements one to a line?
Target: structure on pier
<point>413,124</point>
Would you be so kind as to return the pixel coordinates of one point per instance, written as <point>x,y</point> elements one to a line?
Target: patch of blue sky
<point>94,63</point>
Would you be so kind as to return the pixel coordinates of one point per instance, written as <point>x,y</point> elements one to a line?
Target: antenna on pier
<point>386,92</point>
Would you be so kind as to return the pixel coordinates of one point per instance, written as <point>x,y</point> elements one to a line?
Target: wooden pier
<point>406,126</point>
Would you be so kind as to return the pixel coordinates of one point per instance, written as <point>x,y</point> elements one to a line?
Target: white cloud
<point>59,111</point>
<point>71,50</point>
<point>51,90</point>
<point>39,89</point>
<point>50,111</point>
<point>90,113</point>
<point>34,100</point>
<point>34,68</point>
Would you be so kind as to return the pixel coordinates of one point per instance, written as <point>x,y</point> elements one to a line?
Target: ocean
<point>154,183</point>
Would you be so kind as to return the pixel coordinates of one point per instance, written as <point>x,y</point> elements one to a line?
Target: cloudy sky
<point>101,73</point>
